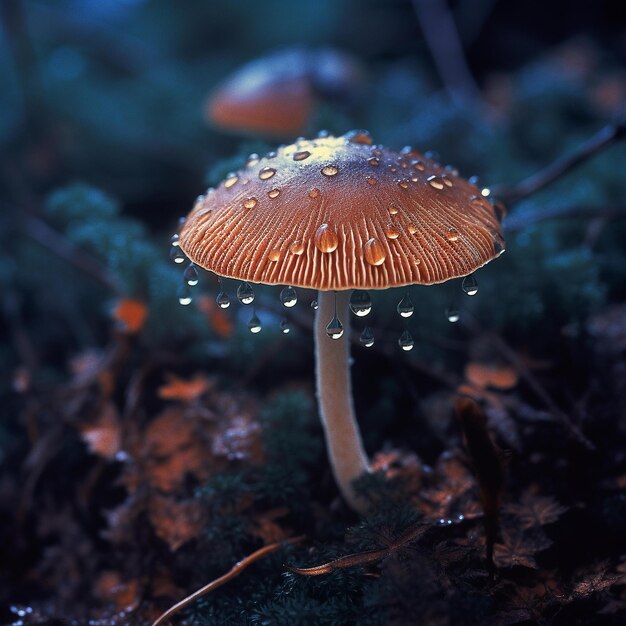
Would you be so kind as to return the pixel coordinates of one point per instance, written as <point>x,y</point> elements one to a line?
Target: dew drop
<point>447,181</point>
<point>470,285</point>
<point>367,337</point>
<point>334,329</point>
<point>252,160</point>
<point>414,178</point>
<point>330,170</point>
<point>175,240</point>
<point>177,255</point>
<point>190,275</point>
<point>453,314</point>
<point>405,306</point>
<point>184,295</point>
<point>254,325</point>
<point>273,193</point>
<point>314,192</point>
<point>485,192</point>
<point>498,245</point>
<point>231,179</point>
<point>393,210</point>
<point>297,248</point>
<point>406,341</point>
<point>360,303</point>
<point>453,234</point>
<point>419,166</point>
<point>435,182</point>
<point>326,239</point>
<point>250,203</point>
<point>274,255</point>
<point>288,297</point>
<point>374,162</point>
<point>412,229</point>
<point>314,305</point>
<point>322,134</point>
<point>266,173</point>
<point>359,136</point>
<point>284,326</point>
<point>271,155</point>
<point>245,293</point>
<point>403,184</point>
<point>371,180</point>
<point>391,231</point>
<point>374,252</point>
<point>222,300</point>
<point>300,156</point>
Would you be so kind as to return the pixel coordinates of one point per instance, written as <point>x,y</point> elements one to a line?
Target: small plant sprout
<point>342,216</point>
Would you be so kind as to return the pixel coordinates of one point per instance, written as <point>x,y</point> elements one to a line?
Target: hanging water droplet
<point>288,297</point>
<point>184,295</point>
<point>314,193</point>
<point>453,314</point>
<point>485,192</point>
<point>403,184</point>
<point>177,255</point>
<point>250,203</point>
<point>273,193</point>
<point>175,239</point>
<point>300,156</point>
<point>266,173</point>
<point>498,246</point>
<point>231,179</point>
<point>254,325</point>
<point>470,285</point>
<point>367,337</point>
<point>335,328</point>
<point>406,341</point>
<point>222,299</point>
<point>360,303</point>
<point>326,239</point>
<point>190,275</point>
<point>245,293</point>
<point>405,306</point>
<point>284,326</point>
<point>330,170</point>
<point>314,305</point>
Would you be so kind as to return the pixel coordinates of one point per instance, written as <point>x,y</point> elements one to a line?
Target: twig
<point>218,582</point>
<point>443,41</point>
<point>515,223</point>
<point>605,137</point>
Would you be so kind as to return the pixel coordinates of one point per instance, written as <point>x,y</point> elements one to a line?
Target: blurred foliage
<point>105,145</point>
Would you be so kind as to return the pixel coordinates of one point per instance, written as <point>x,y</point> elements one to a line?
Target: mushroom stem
<point>334,393</point>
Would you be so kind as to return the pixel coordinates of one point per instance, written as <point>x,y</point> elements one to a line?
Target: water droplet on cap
<point>374,252</point>
<point>419,166</point>
<point>266,173</point>
<point>406,341</point>
<point>297,248</point>
<point>288,297</point>
<point>184,295</point>
<point>250,203</point>
<point>330,170</point>
<point>314,192</point>
<point>300,156</point>
<point>253,159</point>
<point>177,255</point>
<point>326,239</point>
<point>470,285</point>
<point>231,179</point>
<point>284,326</point>
<point>367,337</point>
<point>360,303</point>
<point>359,136</point>
<point>190,275</point>
<point>245,293</point>
<point>435,182</point>
<point>274,255</point>
<point>314,305</point>
<point>373,161</point>
<point>273,193</point>
<point>371,180</point>
<point>393,210</point>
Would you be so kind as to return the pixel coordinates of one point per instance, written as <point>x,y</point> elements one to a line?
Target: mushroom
<point>275,95</point>
<point>338,214</point>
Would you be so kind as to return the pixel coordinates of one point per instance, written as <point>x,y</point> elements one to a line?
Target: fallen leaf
<point>533,510</point>
<point>130,315</point>
<point>103,436</point>
<point>176,522</point>
<point>184,390</point>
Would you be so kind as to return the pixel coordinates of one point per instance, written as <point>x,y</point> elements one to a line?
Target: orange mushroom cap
<point>337,213</point>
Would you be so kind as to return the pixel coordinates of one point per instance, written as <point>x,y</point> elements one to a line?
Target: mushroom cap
<point>337,213</point>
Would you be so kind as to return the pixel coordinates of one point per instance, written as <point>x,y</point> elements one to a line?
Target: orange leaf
<point>110,587</point>
<point>185,390</point>
<point>218,320</point>
<point>130,315</point>
<point>488,375</point>
<point>175,522</point>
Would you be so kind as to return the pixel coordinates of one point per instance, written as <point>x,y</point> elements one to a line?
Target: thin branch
<point>602,139</point>
<point>237,569</point>
<point>515,223</point>
<point>444,43</point>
